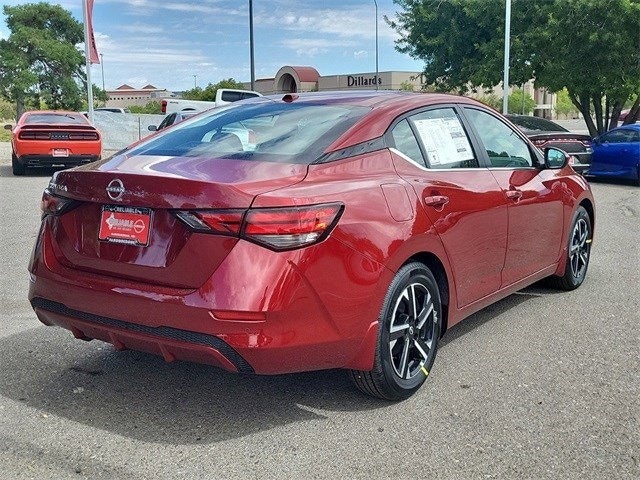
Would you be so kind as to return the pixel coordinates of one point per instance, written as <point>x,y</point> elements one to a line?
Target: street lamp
<point>507,40</point>
<point>253,66</point>
<point>102,66</point>
<point>377,79</point>
<point>195,81</point>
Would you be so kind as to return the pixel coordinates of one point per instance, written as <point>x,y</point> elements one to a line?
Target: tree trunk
<point>582,103</point>
<point>597,109</point>
<point>19,108</point>
<point>634,114</point>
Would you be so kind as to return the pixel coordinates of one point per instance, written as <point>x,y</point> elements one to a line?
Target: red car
<point>305,232</point>
<point>49,138</point>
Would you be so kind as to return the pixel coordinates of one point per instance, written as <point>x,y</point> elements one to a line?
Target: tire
<point>16,166</point>
<point>578,253</point>
<point>409,329</point>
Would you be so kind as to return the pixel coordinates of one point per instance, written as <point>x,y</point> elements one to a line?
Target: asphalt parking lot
<point>540,385</point>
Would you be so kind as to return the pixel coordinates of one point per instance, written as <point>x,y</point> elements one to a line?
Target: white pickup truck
<point>223,96</point>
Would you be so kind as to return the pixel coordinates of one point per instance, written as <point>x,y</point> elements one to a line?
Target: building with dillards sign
<point>293,79</point>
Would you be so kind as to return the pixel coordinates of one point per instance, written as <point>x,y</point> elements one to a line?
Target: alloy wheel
<point>412,330</point>
<point>579,248</point>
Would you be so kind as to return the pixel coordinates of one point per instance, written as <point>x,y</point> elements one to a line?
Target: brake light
<point>53,205</point>
<point>275,228</point>
<point>163,106</point>
<point>223,222</point>
<point>34,135</point>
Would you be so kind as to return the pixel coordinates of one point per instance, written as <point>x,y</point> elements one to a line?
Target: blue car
<point>616,154</point>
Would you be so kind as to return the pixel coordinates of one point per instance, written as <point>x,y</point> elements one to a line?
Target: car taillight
<point>34,136</point>
<point>223,222</point>
<point>83,136</point>
<point>163,106</point>
<point>287,228</point>
<point>275,228</point>
<point>54,205</point>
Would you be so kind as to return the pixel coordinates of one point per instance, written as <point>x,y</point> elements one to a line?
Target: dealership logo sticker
<point>129,225</point>
<point>115,189</point>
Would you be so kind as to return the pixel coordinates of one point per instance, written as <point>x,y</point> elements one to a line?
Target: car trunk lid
<point>155,189</point>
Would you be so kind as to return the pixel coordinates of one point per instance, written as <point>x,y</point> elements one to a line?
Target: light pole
<point>102,66</point>
<point>253,66</point>
<point>507,40</point>
<point>377,79</point>
<point>195,81</point>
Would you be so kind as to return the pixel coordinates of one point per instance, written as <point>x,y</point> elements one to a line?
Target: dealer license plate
<point>128,225</point>
<point>60,152</point>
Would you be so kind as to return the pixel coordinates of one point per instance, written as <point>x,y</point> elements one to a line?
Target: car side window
<point>619,136</point>
<point>444,139</point>
<point>405,142</point>
<point>168,120</point>
<point>504,146</point>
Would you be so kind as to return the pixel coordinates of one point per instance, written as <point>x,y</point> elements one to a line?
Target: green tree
<point>564,105</point>
<point>40,62</point>
<point>208,94</point>
<point>520,103</point>
<point>150,107</point>
<point>589,47</point>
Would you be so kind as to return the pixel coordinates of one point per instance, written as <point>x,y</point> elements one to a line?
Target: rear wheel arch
<point>588,206</point>
<point>436,266</point>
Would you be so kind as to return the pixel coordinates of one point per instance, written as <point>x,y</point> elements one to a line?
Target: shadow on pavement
<point>138,395</point>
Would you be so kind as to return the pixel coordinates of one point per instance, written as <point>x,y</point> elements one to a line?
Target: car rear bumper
<point>170,343</point>
<point>270,317</point>
<point>49,160</point>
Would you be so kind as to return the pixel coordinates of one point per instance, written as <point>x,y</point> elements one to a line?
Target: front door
<point>534,197</point>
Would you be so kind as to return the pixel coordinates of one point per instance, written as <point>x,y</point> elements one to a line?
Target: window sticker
<point>445,140</point>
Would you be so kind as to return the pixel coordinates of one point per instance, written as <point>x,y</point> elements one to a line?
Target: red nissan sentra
<point>312,231</point>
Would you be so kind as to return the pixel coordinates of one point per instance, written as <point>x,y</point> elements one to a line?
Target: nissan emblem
<point>115,189</point>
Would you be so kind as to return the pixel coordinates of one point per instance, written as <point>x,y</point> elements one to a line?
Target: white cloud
<point>360,54</point>
<point>141,28</point>
<point>349,22</point>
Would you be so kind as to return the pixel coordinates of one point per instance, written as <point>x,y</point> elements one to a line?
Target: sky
<point>176,44</point>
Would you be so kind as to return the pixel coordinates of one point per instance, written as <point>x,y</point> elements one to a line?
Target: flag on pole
<point>93,51</point>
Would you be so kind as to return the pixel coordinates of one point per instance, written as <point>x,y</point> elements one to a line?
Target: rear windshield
<point>54,119</point>
<point>265,131</point>
<point>537,124</point>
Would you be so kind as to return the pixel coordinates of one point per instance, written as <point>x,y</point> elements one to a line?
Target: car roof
<point>384,104</point>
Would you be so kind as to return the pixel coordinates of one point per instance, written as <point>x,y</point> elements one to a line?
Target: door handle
<point>436,201</point>
<point>514,194</point>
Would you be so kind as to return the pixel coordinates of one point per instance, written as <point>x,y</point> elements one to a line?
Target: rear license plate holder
<point>127,225</point>
<point>60,152</point>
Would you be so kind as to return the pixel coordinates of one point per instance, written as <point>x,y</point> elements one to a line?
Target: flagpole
<point>88,62</point>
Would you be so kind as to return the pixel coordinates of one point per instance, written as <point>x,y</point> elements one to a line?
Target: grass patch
<point>5,135</point>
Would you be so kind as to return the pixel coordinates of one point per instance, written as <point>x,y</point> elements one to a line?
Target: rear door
<point>463,201</point>
<point>534,196</point>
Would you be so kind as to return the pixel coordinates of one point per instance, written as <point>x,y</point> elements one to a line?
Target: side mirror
<point>554,158</point>
<point>152,128</point>
<point>8,127</point>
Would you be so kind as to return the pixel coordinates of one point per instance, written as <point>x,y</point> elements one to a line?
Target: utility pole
<point>377,74</point>
<point>253,66</point>
<point>507,40</point>
<point>102,66</point>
